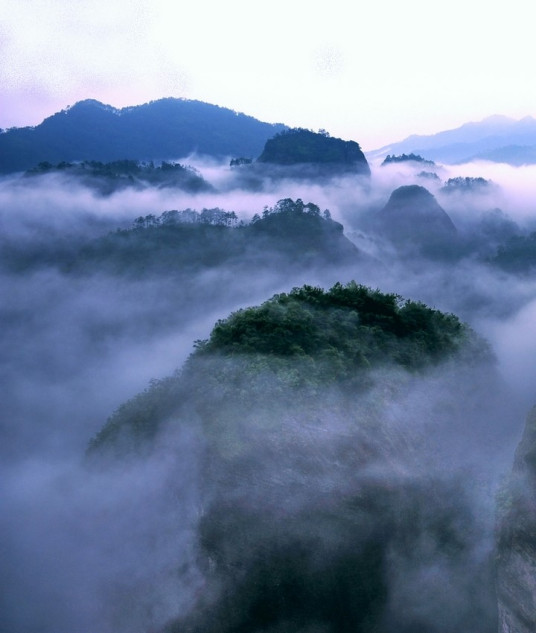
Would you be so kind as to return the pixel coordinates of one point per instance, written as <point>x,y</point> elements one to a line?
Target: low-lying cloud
<point>92,551</point>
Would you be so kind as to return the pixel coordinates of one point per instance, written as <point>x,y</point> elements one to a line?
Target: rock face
<point>516,544</point>
<point>413,218</point>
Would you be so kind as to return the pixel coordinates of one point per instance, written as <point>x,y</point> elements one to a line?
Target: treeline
<point>108,177</point>
<point>291,232</point>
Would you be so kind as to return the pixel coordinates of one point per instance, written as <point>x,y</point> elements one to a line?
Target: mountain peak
<point>166,129</point>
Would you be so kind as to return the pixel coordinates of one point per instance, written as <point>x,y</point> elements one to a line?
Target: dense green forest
<point>308,340</point>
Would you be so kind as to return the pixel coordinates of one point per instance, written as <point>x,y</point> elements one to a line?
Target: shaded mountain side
<point>517,254</point>
<point>412,219</point>
<point>312,504</point>
<point>289,234</point>
<point>164,129</point>
<point>515,155</point>
<point>516,539</point>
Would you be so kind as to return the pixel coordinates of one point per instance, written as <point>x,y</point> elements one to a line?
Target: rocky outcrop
<point>413,219</point>
<point>516,540</point>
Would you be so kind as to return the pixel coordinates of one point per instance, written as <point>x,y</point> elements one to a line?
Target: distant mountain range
<point>497,139</point>
<point>168,129</point>
<point>159,130</point>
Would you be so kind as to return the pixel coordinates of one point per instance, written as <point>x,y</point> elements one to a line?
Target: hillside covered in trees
<point>176,242</point>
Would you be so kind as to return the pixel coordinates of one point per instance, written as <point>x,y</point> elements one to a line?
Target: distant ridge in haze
<point>164,129</point>
<point>496,138</point>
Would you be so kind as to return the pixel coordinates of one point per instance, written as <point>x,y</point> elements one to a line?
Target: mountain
<point>496,138</point>
<point>516,544</point>
<point>291,234</point>
<point>302,154</point>
<point>299,147</point>
<point>316,497</point>
<point>413,219</point>
<point>107,178</point>
<point>164,129</point>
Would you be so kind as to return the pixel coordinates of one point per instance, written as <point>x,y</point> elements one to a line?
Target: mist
<point>116,548</point>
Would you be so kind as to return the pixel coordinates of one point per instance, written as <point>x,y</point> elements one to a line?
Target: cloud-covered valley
<point>84,331</point>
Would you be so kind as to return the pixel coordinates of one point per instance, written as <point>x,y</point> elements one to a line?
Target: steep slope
<point>516,547</point>
<point>160,130</point>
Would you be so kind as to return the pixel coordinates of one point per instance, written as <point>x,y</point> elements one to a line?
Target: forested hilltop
<point>290,401</point>
<point>163,129</point>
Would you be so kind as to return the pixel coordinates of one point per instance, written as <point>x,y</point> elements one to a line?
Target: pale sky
<point>372,72</point>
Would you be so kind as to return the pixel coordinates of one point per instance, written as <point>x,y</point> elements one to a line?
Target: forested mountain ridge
<point>290,233</point>
<point>161,130</point>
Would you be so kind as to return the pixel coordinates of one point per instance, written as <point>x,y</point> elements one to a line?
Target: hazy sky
<point>374,72</point>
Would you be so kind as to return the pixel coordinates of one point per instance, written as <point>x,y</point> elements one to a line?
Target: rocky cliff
<point>516,543</point>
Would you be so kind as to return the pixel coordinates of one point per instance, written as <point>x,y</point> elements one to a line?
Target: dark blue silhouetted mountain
<point>164,129</point>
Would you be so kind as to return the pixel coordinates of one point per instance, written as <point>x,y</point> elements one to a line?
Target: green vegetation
<point>289,399</point>
<point>286,352</point>
<point>346,328</point>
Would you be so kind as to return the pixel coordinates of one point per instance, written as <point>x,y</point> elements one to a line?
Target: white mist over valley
<point>283,395</point>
